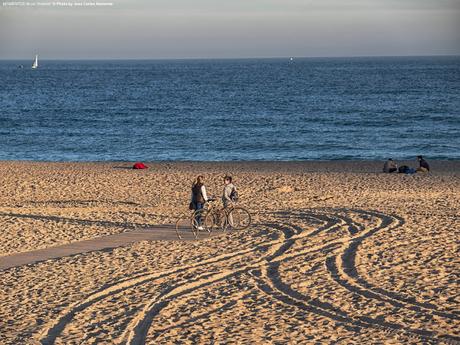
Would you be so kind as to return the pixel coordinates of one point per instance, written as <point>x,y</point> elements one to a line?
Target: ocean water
<point>248,109</point>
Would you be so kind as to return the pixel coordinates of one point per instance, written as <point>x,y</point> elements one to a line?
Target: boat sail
<point>35,64</point>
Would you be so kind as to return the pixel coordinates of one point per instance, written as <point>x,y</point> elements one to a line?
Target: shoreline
<point>316,166</point>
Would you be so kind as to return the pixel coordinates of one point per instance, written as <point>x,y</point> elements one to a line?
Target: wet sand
<point>338,253</point>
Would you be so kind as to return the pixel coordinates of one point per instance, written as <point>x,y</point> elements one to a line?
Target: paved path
<point>159,232</point>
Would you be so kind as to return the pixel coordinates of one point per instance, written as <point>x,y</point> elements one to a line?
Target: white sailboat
<point>35,64</point>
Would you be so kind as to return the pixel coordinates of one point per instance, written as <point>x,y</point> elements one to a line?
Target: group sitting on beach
<point>390,166</point>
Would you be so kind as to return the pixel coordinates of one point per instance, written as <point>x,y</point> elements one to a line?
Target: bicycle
<point>212,217</point>
<point>191,222</point>
<point>236,217</point>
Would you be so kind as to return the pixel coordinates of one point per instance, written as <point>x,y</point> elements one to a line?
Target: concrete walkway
<point>156,233</point>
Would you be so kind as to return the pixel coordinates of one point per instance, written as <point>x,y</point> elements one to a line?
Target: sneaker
<point>200,228</point>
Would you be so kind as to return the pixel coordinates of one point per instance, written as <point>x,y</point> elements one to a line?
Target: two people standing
<point>199,196</point>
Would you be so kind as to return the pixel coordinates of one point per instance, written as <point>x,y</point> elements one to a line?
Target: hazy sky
<point>231,28</point>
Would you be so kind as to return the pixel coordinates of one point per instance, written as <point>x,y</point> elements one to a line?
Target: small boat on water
<point>35,64</point>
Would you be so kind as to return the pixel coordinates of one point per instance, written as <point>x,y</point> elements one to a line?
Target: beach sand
<point>338,253</point>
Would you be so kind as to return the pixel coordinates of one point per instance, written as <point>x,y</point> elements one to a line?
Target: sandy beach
<point>338,253</point>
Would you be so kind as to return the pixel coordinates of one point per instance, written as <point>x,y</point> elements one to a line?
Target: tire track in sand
<point>52,330</point>
<point>269,281</point>
<point>136,332</point>
<point>266,276</point>
<point>342,268</point>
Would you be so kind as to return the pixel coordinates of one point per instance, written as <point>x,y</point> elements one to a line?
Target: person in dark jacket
<point>199,198</point>
<point>424,166</point>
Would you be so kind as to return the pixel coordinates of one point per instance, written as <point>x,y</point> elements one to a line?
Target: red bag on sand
<point>140,165</point>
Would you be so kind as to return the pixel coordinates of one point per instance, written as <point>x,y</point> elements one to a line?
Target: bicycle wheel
<point>184,226</point>
<point>239,218</point>
<point>215,220</point>
<point>198,221</point>
<point>209,221</point>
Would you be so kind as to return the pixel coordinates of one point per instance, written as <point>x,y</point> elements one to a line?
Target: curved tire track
<point>269,281</point>
<point>266,276</point>
<point>344,271</point>
<point>137,331</point>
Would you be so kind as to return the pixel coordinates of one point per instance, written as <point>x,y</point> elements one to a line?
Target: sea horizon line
<point>230,58</point>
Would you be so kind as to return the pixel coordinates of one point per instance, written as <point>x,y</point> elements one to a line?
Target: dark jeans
<point>198,206</point>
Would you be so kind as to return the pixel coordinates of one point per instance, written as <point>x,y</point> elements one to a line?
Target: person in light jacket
<point>227,201</point>
<point>390,166</point>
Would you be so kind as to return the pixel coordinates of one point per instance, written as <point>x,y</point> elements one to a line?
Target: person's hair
<point>198,180</point>
<point>419,157</point>
<point>390,159</point>
<point>229,178</point>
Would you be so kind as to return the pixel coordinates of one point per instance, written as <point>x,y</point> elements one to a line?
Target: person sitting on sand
<point>199,197</point>
<point>390,166</point>
<point>228,196</point>
<point>424,166</point>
